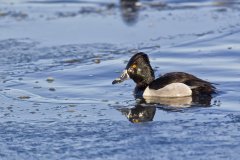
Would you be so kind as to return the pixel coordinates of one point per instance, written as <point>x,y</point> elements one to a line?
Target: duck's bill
<point>124,76</point>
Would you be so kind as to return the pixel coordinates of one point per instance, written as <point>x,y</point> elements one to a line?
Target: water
<point>58,59</point>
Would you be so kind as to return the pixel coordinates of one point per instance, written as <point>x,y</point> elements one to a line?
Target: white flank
<point>171,90</point>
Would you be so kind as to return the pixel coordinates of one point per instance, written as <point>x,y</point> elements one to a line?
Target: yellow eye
<point>134,66</point>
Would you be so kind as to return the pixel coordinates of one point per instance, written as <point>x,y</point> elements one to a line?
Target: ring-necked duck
<point>173,84</point>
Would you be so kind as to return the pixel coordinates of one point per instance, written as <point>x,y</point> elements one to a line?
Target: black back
<point>198,85</point>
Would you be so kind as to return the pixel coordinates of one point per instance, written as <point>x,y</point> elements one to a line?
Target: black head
<point>139,70</point>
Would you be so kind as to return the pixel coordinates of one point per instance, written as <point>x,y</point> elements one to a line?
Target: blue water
<point>58,59</point>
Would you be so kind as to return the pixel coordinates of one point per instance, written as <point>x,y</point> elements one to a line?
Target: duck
<point>169,85</point>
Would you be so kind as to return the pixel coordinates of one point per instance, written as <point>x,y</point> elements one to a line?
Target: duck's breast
<point>170,90</point>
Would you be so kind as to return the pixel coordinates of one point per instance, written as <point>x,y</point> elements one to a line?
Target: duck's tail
<point>201,87</point>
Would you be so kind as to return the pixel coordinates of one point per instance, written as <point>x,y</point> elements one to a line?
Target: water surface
<point>58,59</point>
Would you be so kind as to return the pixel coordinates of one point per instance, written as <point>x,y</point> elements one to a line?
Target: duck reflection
<point>174,102</point>
<point>183,102</point>
<point>129,10</point>
<point>139,113</point>
<point>145,108</point>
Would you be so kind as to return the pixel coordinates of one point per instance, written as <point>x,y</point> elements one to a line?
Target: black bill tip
<point>116,81</point>
<point>122,78</point>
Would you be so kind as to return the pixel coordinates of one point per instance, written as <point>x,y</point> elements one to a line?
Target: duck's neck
<point>143,82</point>
<point>139,89</point>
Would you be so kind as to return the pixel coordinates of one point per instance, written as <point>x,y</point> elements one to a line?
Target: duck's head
<point>139,70</point>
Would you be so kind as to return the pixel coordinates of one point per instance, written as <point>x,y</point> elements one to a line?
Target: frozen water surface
<point>58,59</point>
